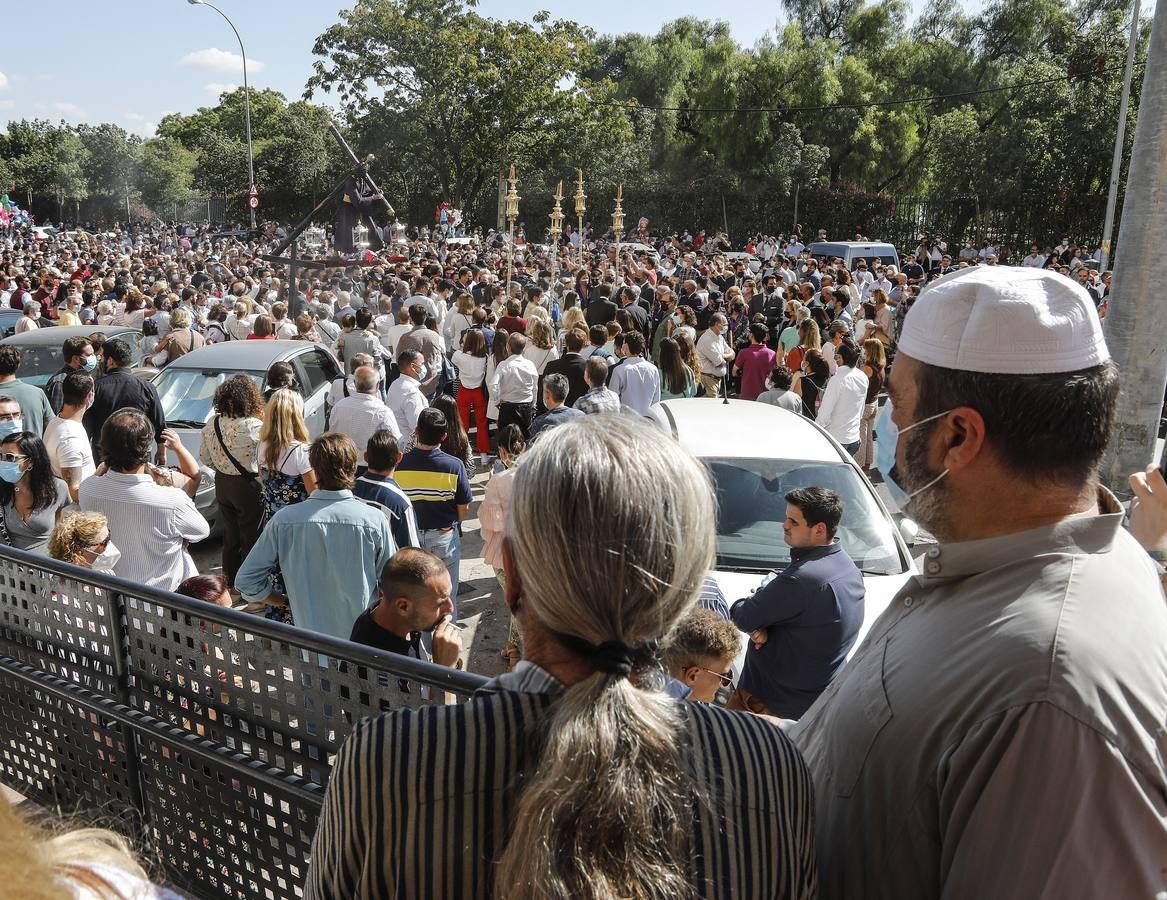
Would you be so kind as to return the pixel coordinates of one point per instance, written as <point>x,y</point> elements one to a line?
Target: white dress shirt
<point>406,401</point>
<point>359,416</point>
<point>149,523</point>
<point>515,380</point>
<point>637,382</point>
<point>842,405</point>
<point>711,350</point>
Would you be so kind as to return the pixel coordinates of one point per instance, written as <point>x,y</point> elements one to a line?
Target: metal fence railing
<point>205,734</point>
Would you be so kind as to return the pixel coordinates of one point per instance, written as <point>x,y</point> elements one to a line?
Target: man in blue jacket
<point>803,622</point>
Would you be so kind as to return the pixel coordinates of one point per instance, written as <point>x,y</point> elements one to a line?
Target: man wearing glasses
<point>802,622</point>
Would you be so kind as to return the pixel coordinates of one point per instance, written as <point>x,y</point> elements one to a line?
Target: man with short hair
<point>1035,259</point>
<point>599,397</point>
<point>377,488</point>
<point>416,599</point>
<point>754,362</point>
<point>713,354</point>
<point>330,548</point>
<point>65,439</point>
<point>77,352</point>
<point>699,656</point>
<point>841,407</point>
<point>597,338</point>
<point>34,405</point>
<point>803,622</point>
<point>779,393</point>
<point>120,388</point>
<point>404,398</point>
<point>635,380</point>
<point>514,383</point>
<point>362,413</point>
<point>555,393</point>
<point>428,343</point>
<point>153,521</point>
<point>1006,711</point>
<point>437,485</point>
<point>570,365</point>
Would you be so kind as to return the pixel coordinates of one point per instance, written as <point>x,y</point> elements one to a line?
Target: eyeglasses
<point>100,545</point>
<point>12,457</point>
<point>726,678</point>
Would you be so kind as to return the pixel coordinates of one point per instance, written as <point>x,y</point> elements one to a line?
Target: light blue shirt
<point>331,549</point>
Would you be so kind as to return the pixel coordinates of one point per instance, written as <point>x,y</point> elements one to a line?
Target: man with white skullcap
<point>1002,731</point>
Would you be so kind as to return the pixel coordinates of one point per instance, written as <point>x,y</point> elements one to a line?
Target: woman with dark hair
<point>457,442</point>
<point>263,329</point>
<point>677,379</point>
<point>280,375</point>
<point>216,329</point>
<point>208,588</point>
<point>812,382</point>
<point>229,448</point>
<point>31,496</point>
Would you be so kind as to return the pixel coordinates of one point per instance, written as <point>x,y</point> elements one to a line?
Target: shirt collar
<point>801,554</point>
<point>129,477</point>
<point>526,678</point>
<point>1085,534</point>
<point>322,494</point>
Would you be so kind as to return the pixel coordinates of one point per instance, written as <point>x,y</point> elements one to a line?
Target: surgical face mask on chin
<point>886,440</point>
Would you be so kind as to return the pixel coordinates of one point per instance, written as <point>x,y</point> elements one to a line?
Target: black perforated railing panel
<point>206,734</point>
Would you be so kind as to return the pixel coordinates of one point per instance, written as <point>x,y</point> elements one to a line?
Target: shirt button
<point>933,552</point>
<point>908,602</point>
<point>933,567</point>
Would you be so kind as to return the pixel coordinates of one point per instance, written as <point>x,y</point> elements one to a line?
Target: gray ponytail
<point>611,527</point>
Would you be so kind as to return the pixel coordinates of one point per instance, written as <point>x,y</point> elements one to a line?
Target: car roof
<point>831,246</point>
<point>240,355</point>
<point>708,427</point>
<point>46,337</point>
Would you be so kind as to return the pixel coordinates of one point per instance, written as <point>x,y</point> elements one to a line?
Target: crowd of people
<point>933,762</point>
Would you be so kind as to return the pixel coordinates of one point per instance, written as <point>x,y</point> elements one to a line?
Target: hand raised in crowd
<point>1148,524</point>
<point>447,644</point>
<point>758,637</point>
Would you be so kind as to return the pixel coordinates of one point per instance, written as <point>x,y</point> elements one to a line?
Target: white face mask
<point>105,562</point>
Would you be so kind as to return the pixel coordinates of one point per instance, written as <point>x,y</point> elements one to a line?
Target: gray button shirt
<point>1001,731</point>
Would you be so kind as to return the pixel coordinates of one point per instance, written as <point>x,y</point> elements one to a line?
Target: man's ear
<point>689,675</point>
<point>514,588</point>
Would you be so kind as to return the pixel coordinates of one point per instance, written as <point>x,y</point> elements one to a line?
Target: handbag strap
<point>4,535</point>
<point>219,434</point>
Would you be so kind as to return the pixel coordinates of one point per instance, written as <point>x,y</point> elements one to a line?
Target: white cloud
<point>145,130</point>
<point>3,81</point>
<point>218,88</point>
<point>215,60</point>
<point>69,109</point>
<point>7,104</point>
<point>133,117</point>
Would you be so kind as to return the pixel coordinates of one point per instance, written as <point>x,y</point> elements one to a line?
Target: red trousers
<point>474,398</point>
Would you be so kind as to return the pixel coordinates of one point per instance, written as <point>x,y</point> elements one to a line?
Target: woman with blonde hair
<point>459,321</point>
<point>809,339</point>
<point>578,776</point>
<point>540,347</point>
<point>83,539</point>
<point>573,317</point>
<point>875,368</point>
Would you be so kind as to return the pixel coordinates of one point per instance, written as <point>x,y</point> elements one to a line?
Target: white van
<point>853,251</point>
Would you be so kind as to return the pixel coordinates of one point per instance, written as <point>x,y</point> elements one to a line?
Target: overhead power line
<point>903,101</point>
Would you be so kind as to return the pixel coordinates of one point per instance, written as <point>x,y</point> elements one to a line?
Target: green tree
<point>111,163</point>
<point>465,95</point>
<point>165,173</point>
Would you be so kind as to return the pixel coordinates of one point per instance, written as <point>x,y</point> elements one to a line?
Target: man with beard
<point>1000,731</point>
<point>415,600</point>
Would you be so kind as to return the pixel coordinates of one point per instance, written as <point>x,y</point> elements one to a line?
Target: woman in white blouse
<point>540,347</point>
<point>471,364</point>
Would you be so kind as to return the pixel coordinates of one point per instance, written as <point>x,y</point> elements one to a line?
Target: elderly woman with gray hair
<point>31,318</point>
<point>180,340</point>
<point>576,775</point>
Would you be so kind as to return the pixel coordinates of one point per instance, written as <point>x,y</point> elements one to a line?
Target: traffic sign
<point>253,201</point>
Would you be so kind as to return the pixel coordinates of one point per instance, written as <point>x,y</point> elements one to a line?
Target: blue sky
<point>132,61</point>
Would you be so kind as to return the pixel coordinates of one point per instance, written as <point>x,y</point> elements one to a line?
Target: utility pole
<point>1134,335</point>
<point>1119,138</point>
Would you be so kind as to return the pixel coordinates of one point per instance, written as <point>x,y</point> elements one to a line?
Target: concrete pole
<point>1134,331</point>
<point>1119,138</point>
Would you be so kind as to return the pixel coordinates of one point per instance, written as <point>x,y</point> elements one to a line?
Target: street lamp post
<point>246,101</point>
<point>581,207</point>
<point>512,212</point>
<point>555,231</point>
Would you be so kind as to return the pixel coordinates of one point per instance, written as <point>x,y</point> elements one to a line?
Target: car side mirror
<point>909,531</point>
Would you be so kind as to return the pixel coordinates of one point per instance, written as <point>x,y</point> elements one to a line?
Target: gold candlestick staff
<point>581,207</point>
<point>555,232</point>
<point>618,222</point>
<point>512,213</point>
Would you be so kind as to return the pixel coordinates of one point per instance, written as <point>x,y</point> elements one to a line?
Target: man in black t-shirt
<point>415,599</point>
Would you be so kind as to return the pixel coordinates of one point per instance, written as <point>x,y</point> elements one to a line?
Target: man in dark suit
<point>571,366</point>
<point>639,315</point>
<point>602,310</point>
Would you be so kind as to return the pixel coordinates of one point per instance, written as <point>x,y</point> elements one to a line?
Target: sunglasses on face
<point>726,678</point>
<point>12,457</point>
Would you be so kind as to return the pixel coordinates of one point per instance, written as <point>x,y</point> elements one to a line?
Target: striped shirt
<point>436,484</point>
<point>422,800</point>
<point>383,493</point>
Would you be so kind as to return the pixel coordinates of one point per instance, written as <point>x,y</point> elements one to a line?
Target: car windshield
<point>188,394</point>
<point>752,508</point>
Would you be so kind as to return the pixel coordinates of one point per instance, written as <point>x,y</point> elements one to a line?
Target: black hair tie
<point>613,657</point>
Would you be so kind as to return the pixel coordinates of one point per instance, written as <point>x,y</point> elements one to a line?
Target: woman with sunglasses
<point>31,496</point>
<point>84,539</point>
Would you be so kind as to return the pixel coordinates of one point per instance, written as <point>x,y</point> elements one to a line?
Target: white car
<point>755,454</point>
